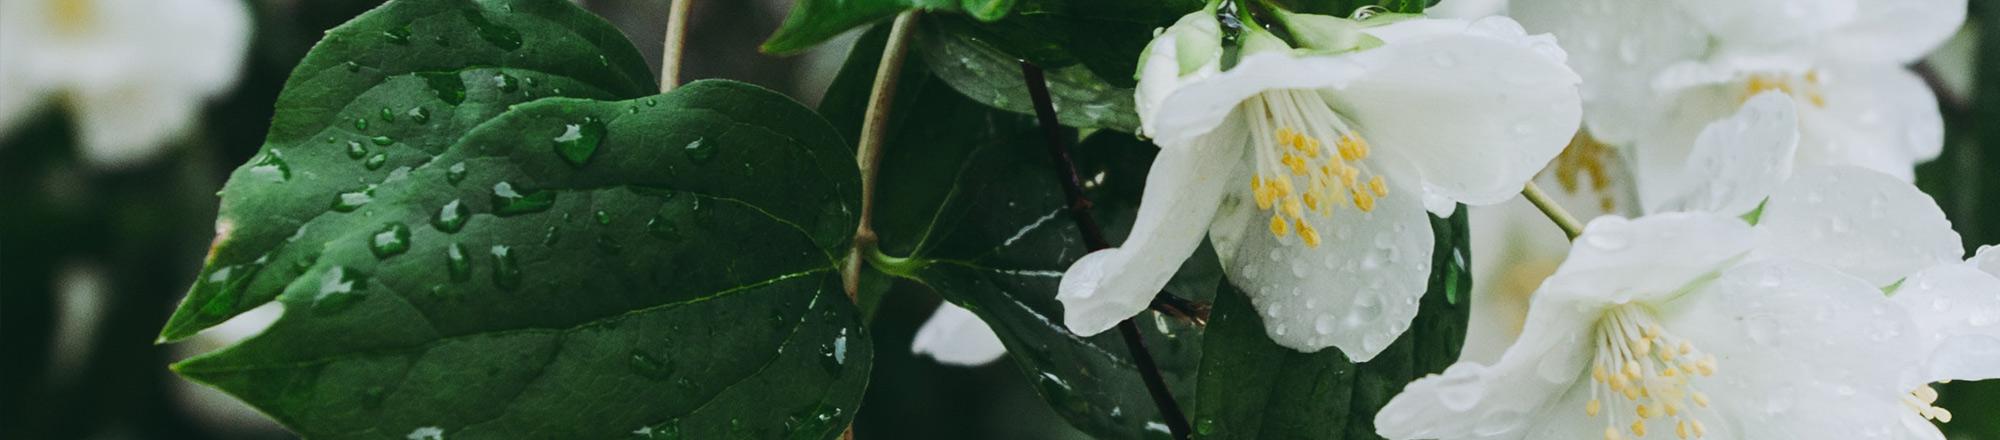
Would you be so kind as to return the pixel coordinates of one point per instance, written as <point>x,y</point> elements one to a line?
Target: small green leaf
<point>1253,388</point>
<point>1105,36</point>
<point>814,21</point>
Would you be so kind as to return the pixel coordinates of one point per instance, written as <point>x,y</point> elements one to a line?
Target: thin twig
<point>868,155</point>
<point>676,40</point>
<point>1093,236</point>
<point>1555,211</point>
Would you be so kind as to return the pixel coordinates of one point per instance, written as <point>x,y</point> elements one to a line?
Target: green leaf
<point>1253,388</point>
<point>1105,36</point>
<point>992,77</point>
<point>659,266</point>
<point>815,21</point>
<point>382,94</point>
<point>995,240</point>
<point>652,289</point>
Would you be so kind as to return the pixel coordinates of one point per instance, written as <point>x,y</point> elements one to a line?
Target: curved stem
<point>1555,211</point>
<point>676,40</point>
<point>874,128</point>
<point>1093,237</point>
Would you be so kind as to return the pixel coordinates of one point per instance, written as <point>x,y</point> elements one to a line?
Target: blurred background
<point>100,234</point>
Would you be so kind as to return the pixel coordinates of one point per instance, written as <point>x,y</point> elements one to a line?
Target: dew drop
<point>392,240</point>
<point>456,262</point>
<point>506,83</point>
<point>382,140</point>
<point>578,142</point>
<point>506,272</point>
<point>272,167</point>
<point>502,37</point>
<point>338,289</point>
<point>649,366</point>
<point>399,36</point>
<point>509,202</point>
<point>455,174</point>
<point>352,200</point>
<point>447,86</point>
<point>451,218</point>
<point>376,161</point>
<point>420,115</point>
<point>355,150</point>
<point>700,151</point>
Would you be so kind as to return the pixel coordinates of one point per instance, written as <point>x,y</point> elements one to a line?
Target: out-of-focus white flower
<point>1311,168</point>
<point>1670,324</point>
<point>132,73</point>
<point>1467,9</point>
<point>954,336</point>
<point>1659,71</point>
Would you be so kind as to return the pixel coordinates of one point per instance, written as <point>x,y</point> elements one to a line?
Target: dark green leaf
<point>649,290</point>
<point>1105,36</point>
<point>490,266</point>
<point>992,77</point>
<point>994,239</point>
<point>385,93</point>
<point>814,21</point>
<point>1252,388</point>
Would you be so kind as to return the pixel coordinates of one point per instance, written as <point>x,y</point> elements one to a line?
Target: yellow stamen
<point>1279,227</point>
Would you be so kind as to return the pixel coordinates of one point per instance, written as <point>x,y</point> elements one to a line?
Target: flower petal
<point>1618,46</point>
<point>1199,106</point>
<point>1357,290</point>
<point>1861,222</point>
<point>1162,67</point>
<point>1507,398</point>
<point>1618,261</point>
<point>954,336</point>
<point>1739,161</point>
<point>1879,117</point>
<point>1182,191</point>
<point>1766,23</point>
<point>1802,351</point>
<point>124,126</point>
<point>1895,32</point>
<point>1476,108</point>
<point>1957,307</point>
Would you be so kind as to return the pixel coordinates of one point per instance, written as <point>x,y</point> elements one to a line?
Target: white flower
<point>1659,71</point>
<point>1667,325</point>
<point>132,73</point>
<point>1515,246</point>
<point>1311,169</point>
<point>1956,307</point>
<point>954,336</point>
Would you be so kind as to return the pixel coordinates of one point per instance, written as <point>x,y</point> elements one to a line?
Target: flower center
<point>1308,162</point>
<point>1586,158</point>
<point>1801,86</point>
<point>1641,366</point>
<point>72,17</point>
<point>1924,401</point>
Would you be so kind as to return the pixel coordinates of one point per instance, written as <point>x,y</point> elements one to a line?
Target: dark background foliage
<point>80,359</point>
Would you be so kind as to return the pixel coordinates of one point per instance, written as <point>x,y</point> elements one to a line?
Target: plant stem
<point>672,47</point>
<point>874,128</point>
<point>1552,209</point>
<point>1093,236</point>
